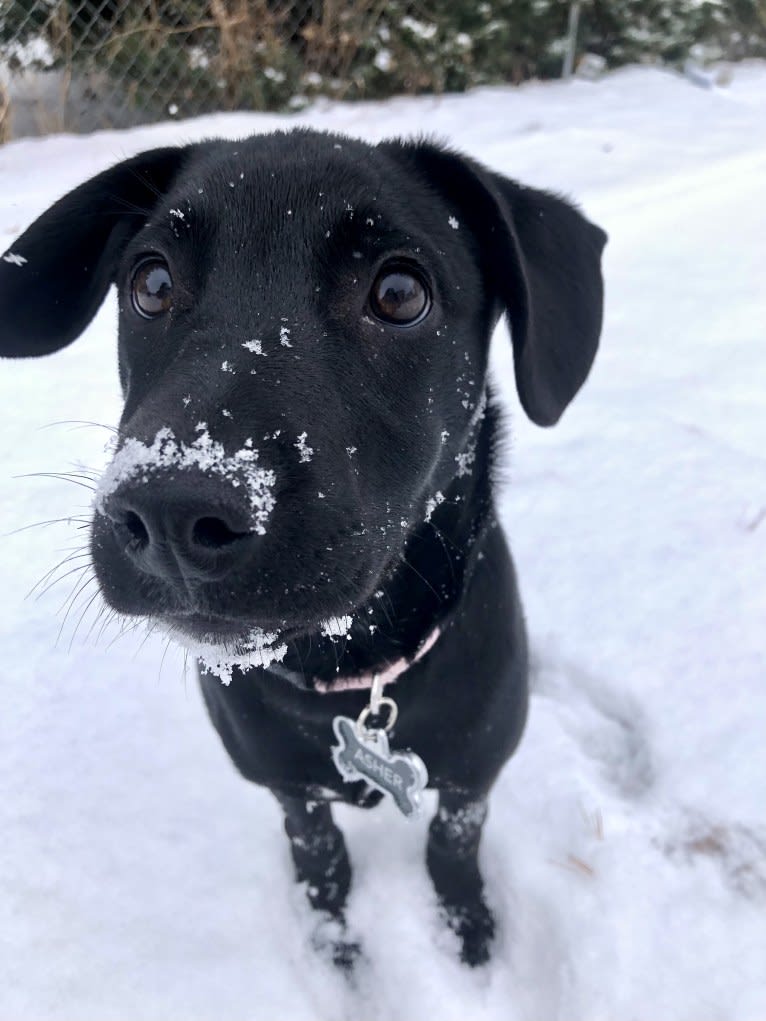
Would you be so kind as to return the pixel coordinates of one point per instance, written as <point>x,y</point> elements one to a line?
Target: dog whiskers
<point>162,660</point>
<point>149,632</point>
<point>425,580</point>
<point>390,612</point>
<point>81,424</point>
<point>84,523</point>
<point>124,628</point>
<point>74,477</point>
<point>72,599</point>
<point>96,595</point>
<point>109,617</point>
<point>443,540</point>
<point>99,617</point>
<point>78,554</point>
<point>296,646</point>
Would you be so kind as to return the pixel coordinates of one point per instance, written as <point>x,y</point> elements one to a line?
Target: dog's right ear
<point>55,276</point>
<point>542,259</point>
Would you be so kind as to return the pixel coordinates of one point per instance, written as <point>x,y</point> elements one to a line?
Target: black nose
<point>187,527</point>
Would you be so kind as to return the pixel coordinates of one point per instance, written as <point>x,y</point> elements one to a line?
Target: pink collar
<point>387,676</point>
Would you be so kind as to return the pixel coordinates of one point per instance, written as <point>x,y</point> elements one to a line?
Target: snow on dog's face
<point>303,333</point>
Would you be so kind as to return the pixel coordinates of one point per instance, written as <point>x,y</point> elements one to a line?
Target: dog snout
<point>181,528</point>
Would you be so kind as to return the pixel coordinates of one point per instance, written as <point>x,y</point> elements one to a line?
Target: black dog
<point>302,487</point>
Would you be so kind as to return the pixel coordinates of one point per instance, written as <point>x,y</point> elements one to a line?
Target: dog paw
<point>332,941</point>
<point>474,926</point>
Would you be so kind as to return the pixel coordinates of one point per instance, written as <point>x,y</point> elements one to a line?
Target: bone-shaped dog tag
<point>364,755</point>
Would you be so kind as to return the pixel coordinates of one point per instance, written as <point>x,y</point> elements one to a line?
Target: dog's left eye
<point>152,288</point>
<point>400,296</point>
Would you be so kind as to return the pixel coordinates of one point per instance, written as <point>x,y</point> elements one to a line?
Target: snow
<point>432,503</point>
<point>306,452</point>
<point>383,60</point>
<point>464,461</point>
<point>137,458</point>
<point>625,848</point>
<point>14,259</point>
<point>258,650</point>
<point>32,54</point>
<point>419,28</point>
<point>337,627</point>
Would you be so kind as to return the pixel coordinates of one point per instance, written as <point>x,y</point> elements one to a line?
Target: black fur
<point>278,239</point>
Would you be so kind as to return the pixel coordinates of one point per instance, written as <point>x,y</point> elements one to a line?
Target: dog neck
<point>361,682</point>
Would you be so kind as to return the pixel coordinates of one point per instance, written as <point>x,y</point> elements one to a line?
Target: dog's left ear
<point>542,259</point>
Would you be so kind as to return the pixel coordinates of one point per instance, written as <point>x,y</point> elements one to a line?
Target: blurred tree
<point>265,54</point>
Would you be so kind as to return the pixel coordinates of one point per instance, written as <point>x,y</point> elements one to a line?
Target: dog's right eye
<point>152,288</point>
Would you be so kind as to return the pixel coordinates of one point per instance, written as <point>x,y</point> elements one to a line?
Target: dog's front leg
<point>321,862</point>
<point>319,853</point>
<point>452,858</point>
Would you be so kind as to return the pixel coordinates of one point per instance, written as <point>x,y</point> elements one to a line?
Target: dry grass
<point>574,864</point>
<point>6,114</point>
<point>334,39</point>
<point>245,28</point>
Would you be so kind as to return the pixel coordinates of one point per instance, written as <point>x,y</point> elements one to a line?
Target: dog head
<point>304,324</point>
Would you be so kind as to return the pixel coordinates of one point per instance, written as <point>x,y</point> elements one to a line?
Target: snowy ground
<point>625,852</point>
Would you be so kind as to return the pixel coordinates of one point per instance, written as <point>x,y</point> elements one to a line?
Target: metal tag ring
<point>384,701</point>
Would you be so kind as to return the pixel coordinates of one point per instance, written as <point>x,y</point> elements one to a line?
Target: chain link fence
<point>79,65</point>
<point>83,64</point>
